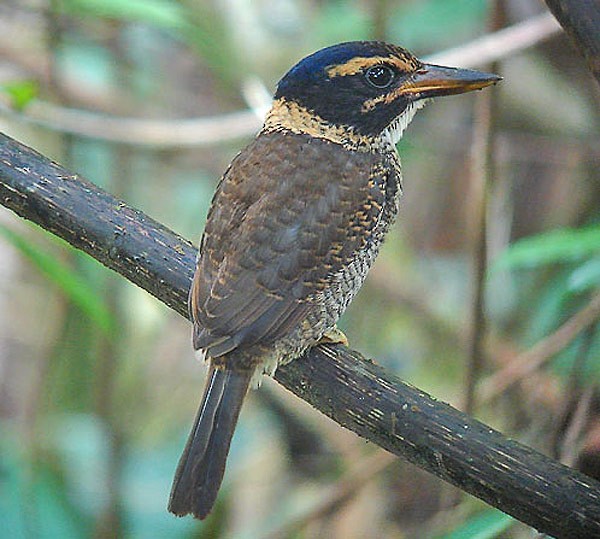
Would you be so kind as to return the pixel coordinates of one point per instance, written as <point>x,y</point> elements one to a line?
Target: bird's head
<point>364,89</point>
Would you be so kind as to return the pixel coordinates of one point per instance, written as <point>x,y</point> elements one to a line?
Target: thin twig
<point>569,450</point>
<point>569,419</point>
<point>543,351</point>
<point>208,131</point>
<point>479,180</point>
<point>343,491</point>
<point>161,133</point>
<point>481,177</point>
<point>501,44</point>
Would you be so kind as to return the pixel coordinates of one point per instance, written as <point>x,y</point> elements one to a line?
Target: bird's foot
<point>334,336</point>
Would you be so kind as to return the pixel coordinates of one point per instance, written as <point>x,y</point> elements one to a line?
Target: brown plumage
<point>294,226</point>
<point>284,250</point>
<point>290,229</point>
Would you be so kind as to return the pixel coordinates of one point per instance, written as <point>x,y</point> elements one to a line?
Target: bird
<point>295,223</point>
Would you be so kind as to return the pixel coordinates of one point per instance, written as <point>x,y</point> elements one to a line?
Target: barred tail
<point>202,464</point>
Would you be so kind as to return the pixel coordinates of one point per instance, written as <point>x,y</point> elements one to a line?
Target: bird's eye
<point>380,76</point>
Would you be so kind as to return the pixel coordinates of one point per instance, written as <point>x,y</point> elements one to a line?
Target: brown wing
<point>276,233</point>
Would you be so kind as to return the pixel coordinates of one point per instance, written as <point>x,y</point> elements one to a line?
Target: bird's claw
<point>334,336</point>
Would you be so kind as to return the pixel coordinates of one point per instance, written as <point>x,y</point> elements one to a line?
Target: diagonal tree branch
<point>531,360</point>
<point>355,392</point>
<point>581,21</point>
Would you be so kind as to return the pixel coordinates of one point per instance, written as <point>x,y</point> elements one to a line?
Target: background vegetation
<point>98,383</point>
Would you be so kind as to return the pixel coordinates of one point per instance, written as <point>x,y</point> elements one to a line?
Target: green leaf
<point>485,525</point>
<point>21,92</point>
<point>35,501</point>
<point>557,246</point>
<point>338,21</point>
<point>55,513</point>
<point>436,24</point>
<point>162,13</point>
<point>70,283</point>
<point>585,277</point>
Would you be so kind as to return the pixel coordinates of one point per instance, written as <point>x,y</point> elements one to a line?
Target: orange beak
<point>433,80</point>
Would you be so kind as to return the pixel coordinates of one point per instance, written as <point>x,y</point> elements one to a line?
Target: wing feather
<point>276,234</point>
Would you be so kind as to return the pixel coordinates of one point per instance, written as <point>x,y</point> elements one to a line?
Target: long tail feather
<point>202,464</point>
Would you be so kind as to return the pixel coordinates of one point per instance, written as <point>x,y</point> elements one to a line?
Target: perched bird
<point>294,226</point>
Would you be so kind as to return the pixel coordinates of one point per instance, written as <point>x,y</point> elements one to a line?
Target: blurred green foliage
<point>485,525</point>
<point>160,13</point>
<point>576,253</point>
<point>555,247</point>
<point>21,92</point>
<point>76,289</point>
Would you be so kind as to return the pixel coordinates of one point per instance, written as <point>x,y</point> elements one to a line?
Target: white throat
<point>393,132</point>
